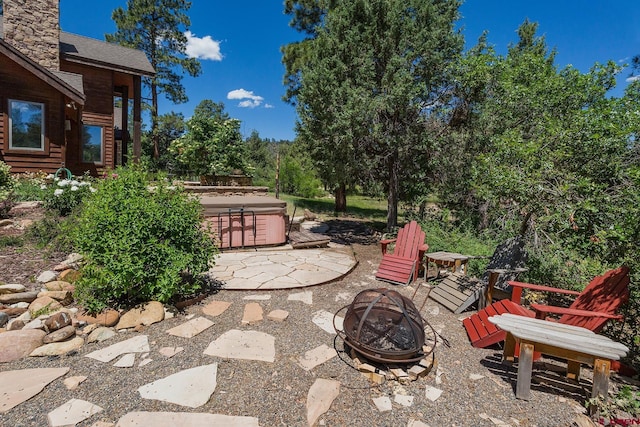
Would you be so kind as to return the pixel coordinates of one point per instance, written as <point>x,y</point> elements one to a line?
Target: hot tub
<point>246,221</point>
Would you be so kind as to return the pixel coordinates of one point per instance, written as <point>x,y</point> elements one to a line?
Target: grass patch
<point>11,241</point>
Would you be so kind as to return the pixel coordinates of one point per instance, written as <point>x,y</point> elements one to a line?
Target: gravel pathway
<point>477,390</point>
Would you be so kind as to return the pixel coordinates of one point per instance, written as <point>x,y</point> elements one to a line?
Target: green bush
<point>7,184</point>
<point>140,243</point>
<point>30,186</point>
<point>63,195</point>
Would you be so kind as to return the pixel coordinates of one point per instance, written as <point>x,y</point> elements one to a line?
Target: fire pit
<point>384,326</point>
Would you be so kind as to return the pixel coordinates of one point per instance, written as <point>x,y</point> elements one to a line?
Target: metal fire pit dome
<point>384,326</point>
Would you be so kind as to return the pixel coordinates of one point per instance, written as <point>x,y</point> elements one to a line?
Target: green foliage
<point>7,184</point>
<point>142,242</point>
<point>262,155</point>
<point>158,28</point>
<point>170,126</point>
<point>297,175</point>
<point>212,144</point>
<point>363,82</point>
<point>10,241</point>
<point>625,400</point>
<point>64,195</point>
<point>30,186</point>
<point>51,233</point>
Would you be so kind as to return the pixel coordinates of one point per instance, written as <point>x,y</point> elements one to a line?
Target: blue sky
<point>242,40</point>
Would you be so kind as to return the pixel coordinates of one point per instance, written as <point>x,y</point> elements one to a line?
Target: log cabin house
<point>58,93</point>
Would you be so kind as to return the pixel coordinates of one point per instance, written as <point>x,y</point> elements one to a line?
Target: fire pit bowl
<point>384,326</point>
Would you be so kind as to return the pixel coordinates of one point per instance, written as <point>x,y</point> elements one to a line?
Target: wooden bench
<point>575,344</point>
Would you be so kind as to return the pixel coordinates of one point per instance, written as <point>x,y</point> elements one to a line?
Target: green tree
<point>212,144</point>
<point>170,127</point>
<point>262,155</point>
<point>364,81</point>
<point>157,28</point>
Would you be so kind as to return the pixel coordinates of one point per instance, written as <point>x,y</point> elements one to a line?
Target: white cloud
<point>202,48</point>
<point>247,98</point>
<point>268,106</point>
<point>633,79</point>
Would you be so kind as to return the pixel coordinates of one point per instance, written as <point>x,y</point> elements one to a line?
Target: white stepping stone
<point>305,297</point>
<point>320,397</point>
<point>72,413</point>
<point>170,351</point>
<point>184,419</point>
<point>416,423</point>
<point>144,362</point>
<point>18,386</point>
<point>317,356</point>
<point>432,393</point>
<point>126,361</point>
<point>403,399</point>
<point>191,328</point>
<point>246,345</point>
<point>324,320</point>
<point>191,387</point>
<point>266,297</point>
<point>137,344</point>
<point>383,403</point>
<point>475,377</point>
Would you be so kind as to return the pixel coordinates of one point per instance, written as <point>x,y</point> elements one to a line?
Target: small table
<point>575,344</point>
<point>449,260</point>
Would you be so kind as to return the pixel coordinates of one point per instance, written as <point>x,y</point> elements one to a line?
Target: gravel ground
<point>276,392</point>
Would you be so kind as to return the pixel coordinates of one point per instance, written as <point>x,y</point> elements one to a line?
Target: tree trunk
<point>392,196</point>
<point>154,120</point>
<point>341,198</point>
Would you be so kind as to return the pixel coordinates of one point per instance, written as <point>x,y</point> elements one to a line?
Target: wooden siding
<point>98,109</point>
<point>16,83</point>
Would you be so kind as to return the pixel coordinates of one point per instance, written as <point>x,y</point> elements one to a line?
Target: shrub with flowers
<point>64,195</point>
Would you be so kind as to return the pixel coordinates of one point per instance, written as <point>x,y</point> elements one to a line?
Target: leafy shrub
<point>141,243</point>
<point>63,195</point>
<point>7,184</point>
<point>29,186</point>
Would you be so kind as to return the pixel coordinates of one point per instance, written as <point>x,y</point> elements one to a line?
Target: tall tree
<point>157,27</point>
<point>370,72</point>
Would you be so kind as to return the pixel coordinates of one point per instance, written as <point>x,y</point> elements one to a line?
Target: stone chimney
<point>33,27</point>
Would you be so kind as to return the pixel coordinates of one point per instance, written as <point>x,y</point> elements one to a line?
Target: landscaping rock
<point>71,413</point>
<point>215,308</point>
<point>59,285</point>
<point>108,317</point>
<point>12,289</point>
<point>320,397</point>
<point>57,321</point>
<point>147,314</point>
<point>15,325</point>
<point>47,276</point>
<point>4,319</point>
<point>13,311</point>
<point>252,314</point>
<point>101,334</point>
<point>278,315</point>
<point>15,345</point>
<point>64,297</point>
<point>19,386</point>
<point>44,303</point>
<point>18,297</point>
<point>58,348</point>
<point>70,275</point>
<point>60,335</point>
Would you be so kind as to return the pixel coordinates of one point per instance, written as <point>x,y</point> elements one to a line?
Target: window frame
<point>43,136</point>
<point>102,143</point>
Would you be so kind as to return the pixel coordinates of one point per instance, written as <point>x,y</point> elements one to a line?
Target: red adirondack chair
<point>592,308</point>
<point>401,266</point>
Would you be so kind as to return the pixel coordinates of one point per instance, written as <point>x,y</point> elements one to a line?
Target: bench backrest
<point>604,294</point>
<point>410,239</point>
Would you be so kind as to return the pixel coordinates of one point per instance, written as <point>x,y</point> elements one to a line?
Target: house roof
<point>101,54</point>
<point>68,84</point>
<point>85,50</point>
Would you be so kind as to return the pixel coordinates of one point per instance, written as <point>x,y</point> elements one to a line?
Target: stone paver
<point>282,268</point>
<point>191,387</point>
<point>325,320</point>
<point>137,344</point>
<point>317,356</point>
<point>18,386</point>
<point>246,345</point>
<point>215,308</point>
<point>184,419</point>
<point>191,328</point>
<point>72,412</point>
<point>320,397</point>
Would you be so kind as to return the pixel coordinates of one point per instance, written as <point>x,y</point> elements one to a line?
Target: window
<point>92,140</point>
<point>26,125</point>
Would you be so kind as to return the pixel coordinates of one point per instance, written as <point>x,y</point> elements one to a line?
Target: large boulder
<point>15,345</point>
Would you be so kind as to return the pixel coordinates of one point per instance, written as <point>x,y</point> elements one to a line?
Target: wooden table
<point>449,260</point>
<point>575,344</point>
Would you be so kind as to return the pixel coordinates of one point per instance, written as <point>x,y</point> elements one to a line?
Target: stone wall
<point>33,27</point>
